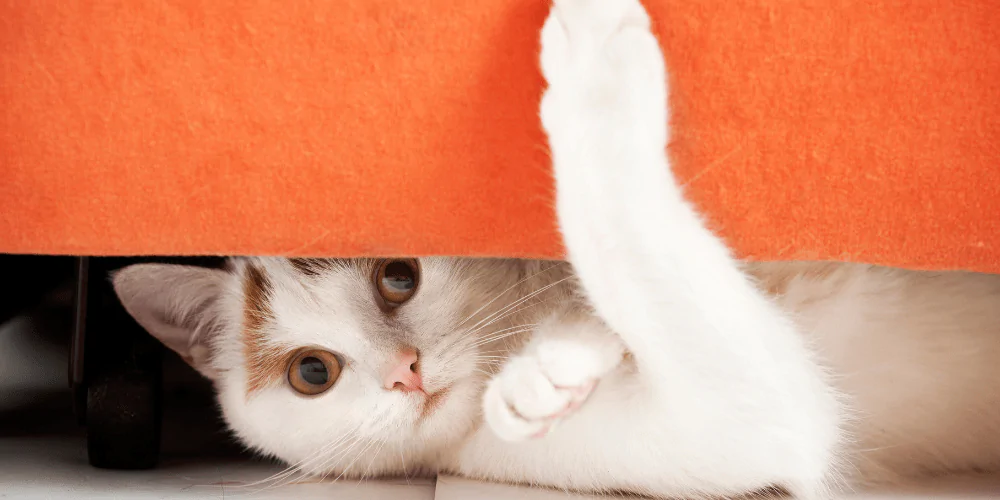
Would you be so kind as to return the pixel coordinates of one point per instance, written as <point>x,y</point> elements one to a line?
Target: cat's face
<point>324,362</point>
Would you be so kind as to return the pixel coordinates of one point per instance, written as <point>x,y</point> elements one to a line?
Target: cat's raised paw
<point>577,29</point>
<point>603,65</point>
<point>550,381</point>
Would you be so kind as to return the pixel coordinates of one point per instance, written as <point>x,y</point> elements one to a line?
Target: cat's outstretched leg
<point>746,400</point>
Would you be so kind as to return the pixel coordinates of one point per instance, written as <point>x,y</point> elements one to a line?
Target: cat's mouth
<point>433,401</point>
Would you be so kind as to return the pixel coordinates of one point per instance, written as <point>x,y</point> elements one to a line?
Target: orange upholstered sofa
<point>864,130</point>
<point>861,130</point>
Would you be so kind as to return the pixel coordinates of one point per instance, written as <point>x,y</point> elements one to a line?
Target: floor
<point>43,451</point>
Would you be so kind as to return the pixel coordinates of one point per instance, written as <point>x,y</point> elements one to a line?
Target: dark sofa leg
<point>116,375</point>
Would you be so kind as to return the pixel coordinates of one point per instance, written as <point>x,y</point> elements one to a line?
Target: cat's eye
<point>396,280</point>
<point>313,371</point>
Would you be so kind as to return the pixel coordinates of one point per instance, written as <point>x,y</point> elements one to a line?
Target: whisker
<point>513,312</point>
<point>402,460</point>
<point>504,310</point>
<point>293,468</point>
<point>501,314</point>
<point>494,338</point>
<point>372,461</point>
<point>501,294</point>
<point>323,474</point>
<point>491,362</point>
<point>515,327</point>
<point>360,453</point>
<point>317,468</point>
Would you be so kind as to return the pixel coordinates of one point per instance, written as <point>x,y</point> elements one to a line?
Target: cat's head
<point>315,360</point>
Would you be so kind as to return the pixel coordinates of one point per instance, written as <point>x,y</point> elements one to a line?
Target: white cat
<point>655,363</point>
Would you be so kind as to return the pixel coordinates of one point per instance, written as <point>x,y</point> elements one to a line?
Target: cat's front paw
<point>551,380</point>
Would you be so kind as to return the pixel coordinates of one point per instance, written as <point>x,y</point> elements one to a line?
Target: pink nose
<point>402,375</point>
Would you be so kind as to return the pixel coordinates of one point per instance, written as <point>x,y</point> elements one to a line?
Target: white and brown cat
<point>653,362</point>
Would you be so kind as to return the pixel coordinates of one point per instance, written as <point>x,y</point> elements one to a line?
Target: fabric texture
<point>861,130</point>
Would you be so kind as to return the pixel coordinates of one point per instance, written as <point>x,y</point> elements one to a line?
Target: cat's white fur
<point>661,367</point>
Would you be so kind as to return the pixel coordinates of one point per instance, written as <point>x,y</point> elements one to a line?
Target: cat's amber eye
<point>313,371</point>
<point>396,280</point>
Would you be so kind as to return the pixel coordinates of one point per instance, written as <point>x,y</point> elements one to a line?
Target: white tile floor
<point>43,452</point>
<point>56,467</point>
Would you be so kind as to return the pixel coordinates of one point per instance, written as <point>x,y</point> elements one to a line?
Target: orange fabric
<point>864,130</point>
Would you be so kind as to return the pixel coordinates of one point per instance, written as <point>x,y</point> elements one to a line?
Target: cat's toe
<point>555,49</point>
<point>596,54</point>
<point>600,18</point>
<point>580,26</point>
<point>576,28</point>
<point>552,379</point>
<point>522,402</point>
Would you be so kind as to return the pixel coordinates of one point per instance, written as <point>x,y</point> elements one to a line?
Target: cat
<point>652,362</point>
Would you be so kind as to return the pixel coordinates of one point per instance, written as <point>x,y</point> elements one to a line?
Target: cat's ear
<point>176,304</point>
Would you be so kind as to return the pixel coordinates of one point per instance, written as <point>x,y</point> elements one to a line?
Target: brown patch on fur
<point>265,364</point>
<point>775,283</point>
<point>310,267</point>
<point>433,401</point>
<point>775,278</point>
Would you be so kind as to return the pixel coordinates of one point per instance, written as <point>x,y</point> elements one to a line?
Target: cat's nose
<point>403,374</point>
